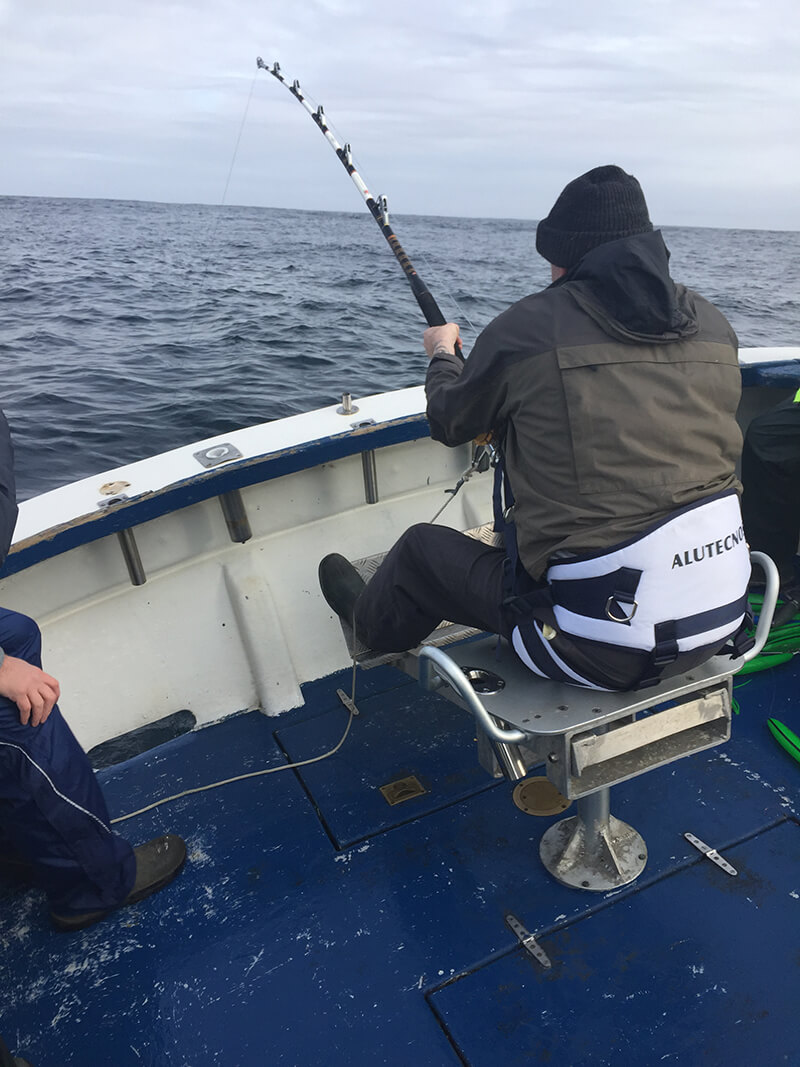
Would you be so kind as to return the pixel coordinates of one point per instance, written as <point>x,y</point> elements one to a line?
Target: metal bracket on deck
<point>528,941</point>
<point>711,854</point>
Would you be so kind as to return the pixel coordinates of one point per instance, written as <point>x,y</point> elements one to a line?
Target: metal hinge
<point>528,941</point>
<point>711,854</point>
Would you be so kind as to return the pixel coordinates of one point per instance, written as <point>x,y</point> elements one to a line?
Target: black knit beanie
<point>602,205</point>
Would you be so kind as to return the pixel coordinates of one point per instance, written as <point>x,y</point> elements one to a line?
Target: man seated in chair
<point>611,398</point>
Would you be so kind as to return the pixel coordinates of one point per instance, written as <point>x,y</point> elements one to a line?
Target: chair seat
<point>590,739</point>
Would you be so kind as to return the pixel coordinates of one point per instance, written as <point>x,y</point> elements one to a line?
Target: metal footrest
<point>446,633</point>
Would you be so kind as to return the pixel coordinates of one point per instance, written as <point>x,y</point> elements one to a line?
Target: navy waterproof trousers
<point>52,811</point>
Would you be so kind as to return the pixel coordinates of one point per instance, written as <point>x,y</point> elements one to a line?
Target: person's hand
<point>33,691</point>
<point>440,339</point>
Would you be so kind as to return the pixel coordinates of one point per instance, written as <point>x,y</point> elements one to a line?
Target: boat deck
<point>315,923</point>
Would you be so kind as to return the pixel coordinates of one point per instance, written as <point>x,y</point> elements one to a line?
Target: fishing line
<point>450,294</point>
<point>202,288</point>
<point>239,138</point>
<point>241,777</point>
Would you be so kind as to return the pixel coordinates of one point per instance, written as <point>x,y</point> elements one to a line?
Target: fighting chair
<point>586,740</point>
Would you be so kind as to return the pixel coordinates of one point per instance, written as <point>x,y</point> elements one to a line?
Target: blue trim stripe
<point>778,374</point>
<point>212,483</point>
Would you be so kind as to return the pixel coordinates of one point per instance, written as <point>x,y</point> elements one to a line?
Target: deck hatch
<point>401,735</point>
<point>538,796</point>
<point>661,980</point>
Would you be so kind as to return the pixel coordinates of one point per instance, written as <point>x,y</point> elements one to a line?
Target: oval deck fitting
<point>538,796</point>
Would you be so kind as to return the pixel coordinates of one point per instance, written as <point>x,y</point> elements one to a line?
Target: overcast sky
<point>453,107</point>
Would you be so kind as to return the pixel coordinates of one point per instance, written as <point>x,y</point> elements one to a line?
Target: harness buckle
<point>625,618</point>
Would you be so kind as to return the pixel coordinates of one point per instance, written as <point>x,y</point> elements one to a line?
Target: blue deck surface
<point>315,924</point>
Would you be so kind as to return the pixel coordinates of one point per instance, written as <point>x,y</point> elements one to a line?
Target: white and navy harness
<point>641,594</point>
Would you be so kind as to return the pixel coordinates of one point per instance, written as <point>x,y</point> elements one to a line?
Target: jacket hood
<point>625,286</point>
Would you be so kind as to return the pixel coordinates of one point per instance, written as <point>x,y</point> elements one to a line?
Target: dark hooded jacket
<point>614,393</point>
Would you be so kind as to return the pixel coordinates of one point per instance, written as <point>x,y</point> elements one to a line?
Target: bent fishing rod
<point>377,205</point>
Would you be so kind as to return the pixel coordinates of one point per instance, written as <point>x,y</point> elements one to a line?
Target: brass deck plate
<point>403,789</point>
<point>538,796</point>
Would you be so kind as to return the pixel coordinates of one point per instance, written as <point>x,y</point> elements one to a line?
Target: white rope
<point>349,703</point>
<point>239,777</point>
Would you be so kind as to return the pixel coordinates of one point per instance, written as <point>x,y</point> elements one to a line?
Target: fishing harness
<point>634,594</point>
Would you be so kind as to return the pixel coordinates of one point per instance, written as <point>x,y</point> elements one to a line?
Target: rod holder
<point>347,407</point>
<point>130,553</point>
<point>235,516</point>
<point>370,476</point>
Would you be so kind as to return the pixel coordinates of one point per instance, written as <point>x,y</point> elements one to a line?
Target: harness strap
<point>665,650</point>
<point>608,596</point>
<point>744,639</point>
<point>516,579</point>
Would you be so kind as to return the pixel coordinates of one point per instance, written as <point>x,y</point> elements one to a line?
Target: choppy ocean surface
<point>130,328</point>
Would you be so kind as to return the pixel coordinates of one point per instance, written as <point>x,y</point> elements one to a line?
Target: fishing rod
<point>377,205</point>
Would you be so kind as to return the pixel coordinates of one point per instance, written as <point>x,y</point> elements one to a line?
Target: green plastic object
<point>785,738</point>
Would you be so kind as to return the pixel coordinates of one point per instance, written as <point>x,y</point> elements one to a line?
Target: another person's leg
<point>52,810</point>
<point>771,480</point>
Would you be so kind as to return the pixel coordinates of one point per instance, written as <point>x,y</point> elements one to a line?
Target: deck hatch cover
<point>538,796</point>
<point>657,977</point>
<point>399,734</point>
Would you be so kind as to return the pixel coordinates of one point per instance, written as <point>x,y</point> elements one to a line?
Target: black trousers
<point>434,573</point>
<point>771,479</point>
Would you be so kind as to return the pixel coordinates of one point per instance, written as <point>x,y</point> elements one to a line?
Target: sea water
<point>129,328</point>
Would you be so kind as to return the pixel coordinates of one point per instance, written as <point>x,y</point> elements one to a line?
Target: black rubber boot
<point>341,585</point>
<point>157,863</point>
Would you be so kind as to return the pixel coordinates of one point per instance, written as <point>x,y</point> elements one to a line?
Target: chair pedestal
<point>593,850</point>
